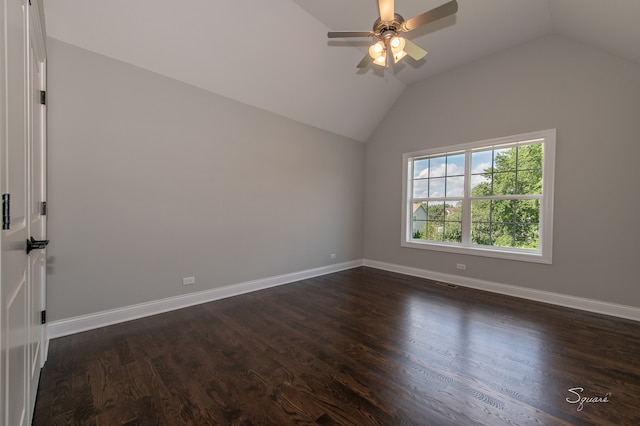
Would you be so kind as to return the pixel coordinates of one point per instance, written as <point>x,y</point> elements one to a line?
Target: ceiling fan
<point>387,28</point>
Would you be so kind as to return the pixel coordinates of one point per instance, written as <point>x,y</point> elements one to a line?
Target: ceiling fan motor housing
<point>386,29</point>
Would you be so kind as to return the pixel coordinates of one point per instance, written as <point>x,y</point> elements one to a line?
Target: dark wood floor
<point>357,347</point>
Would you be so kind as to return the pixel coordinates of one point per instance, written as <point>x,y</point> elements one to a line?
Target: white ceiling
<point>275,54</point>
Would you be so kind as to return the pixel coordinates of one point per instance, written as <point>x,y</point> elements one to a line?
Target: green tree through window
<point>508,222</point>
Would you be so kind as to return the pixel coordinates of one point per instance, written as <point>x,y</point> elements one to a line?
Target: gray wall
<point>152,180</point>
<point>592,99</point>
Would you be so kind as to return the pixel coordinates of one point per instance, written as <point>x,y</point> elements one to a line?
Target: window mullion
<point>466,202</point>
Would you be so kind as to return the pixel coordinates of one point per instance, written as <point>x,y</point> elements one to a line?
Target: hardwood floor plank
<point>358,347</point>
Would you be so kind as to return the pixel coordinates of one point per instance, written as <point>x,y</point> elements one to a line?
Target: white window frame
<point>542,255</point>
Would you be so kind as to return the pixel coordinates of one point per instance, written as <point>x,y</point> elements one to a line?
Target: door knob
<point>33,244</point>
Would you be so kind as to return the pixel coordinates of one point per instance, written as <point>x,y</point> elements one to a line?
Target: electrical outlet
<point>332,255</point>
<point>188,280</point>
<point>461,266</point>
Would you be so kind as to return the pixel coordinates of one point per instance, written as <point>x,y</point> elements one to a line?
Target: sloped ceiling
<point>275,54</point>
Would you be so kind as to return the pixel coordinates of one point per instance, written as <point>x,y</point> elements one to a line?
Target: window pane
<point>453,211</point>
<point>455,186</point>
<point>421,188</point>
<point>528,211</point>
<point>436,187</point>
<point>455,165</point>
<point>419,221</point>
<point>530,157</point>
<point>504,183</point>
<point>435,230</point>
<point>504,159</point>
<point>480,211</point>
<point>453,232</point>
<point>481,185</point>
<point>481,173</point>
<point>419,230</point>
<point>529,182</point>
<point>481,161</point>
<point>502,211</point>
<point>502,235</point>
<point>421,168</point>
<point>481,233</point>
<point>529,169</point>
<point>436,210</point>
<point>528,236</point>
<point>437,166</point>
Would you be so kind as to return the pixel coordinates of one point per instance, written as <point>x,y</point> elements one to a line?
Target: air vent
<point>449,285</point>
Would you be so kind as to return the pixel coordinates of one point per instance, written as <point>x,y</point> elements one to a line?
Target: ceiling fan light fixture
<point>377,49</point>
<point>397,48</point>
<point>397,43</point>
<point>382,61</point>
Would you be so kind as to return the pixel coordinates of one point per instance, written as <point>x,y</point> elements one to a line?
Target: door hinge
<point>43,97</point>
<point>43,317</point>
<point>43,208</point>
<point>6,211</point>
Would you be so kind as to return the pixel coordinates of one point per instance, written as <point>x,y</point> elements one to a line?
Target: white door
<point>37,211</point>
<point>15,262</point>
<point>21,181</point>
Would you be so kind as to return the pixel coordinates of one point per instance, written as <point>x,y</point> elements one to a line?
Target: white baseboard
<point>591,305</point>
<point>81,323</point>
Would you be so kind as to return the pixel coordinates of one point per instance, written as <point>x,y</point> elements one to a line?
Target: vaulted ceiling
<point>275,54</point>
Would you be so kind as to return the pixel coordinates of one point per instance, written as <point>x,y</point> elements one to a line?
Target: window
<point>491,198</point>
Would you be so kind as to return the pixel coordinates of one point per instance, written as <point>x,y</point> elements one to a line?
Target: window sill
<point>494,252</point>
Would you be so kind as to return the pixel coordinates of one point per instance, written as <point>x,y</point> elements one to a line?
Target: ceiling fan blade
<point>344,34</point>
<point>387,13</point>
<point>366,61</point>
<point>430,16</point>
<point>413,50</point>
